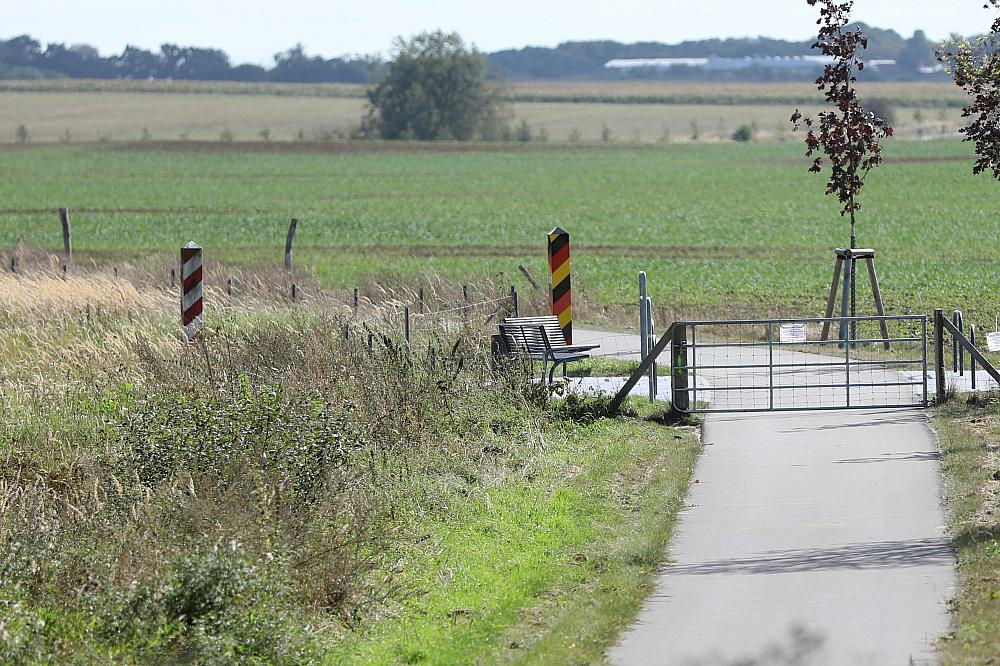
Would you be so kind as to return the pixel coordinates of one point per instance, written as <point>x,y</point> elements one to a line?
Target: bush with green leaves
<point>209,607</point>
<point>435,87</point>
<point>744,133</point>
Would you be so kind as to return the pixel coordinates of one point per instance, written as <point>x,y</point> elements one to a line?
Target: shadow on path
<point>876,555</point>
<point>915,456</point>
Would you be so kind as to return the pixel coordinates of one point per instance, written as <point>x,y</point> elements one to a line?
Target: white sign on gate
<point>792,333</point>
<point>993,341</point>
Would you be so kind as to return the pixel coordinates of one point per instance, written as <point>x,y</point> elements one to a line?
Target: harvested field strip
<point>937,94</point>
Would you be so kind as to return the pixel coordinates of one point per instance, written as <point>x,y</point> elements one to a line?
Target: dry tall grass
<point>161,499</point>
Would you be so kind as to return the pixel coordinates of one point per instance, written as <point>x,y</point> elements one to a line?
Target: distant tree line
<point>25,58</point>
<point>585,60</point>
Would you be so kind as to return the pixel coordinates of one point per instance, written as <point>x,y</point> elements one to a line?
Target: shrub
<point>435,87</point>
<point>21,134</point>
<point>585,408</point>
<point>210,607</point>
<point>524,132</point>
<point>744,133</point>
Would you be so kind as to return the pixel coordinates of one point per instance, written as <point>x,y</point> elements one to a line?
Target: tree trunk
<point>854,245</point>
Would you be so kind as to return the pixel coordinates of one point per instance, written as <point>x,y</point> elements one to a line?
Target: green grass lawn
<point>548,569</point>
<point>728,230</point>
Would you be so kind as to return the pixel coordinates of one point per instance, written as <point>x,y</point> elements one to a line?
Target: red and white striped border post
<point>192,300</point>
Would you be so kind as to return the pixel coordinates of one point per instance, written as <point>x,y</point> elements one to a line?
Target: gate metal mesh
<point>783,364</point>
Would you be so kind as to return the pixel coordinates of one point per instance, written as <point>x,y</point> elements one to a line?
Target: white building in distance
<point>717,63</point>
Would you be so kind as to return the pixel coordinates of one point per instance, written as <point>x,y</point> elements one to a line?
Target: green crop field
<point>721,229</point>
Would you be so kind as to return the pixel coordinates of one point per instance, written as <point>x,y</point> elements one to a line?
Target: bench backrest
<point>549,323</point>
<point>529,338</point>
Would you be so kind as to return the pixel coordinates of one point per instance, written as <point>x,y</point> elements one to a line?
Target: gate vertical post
<point>770,362</point>
<point>650,341</point>
<point>643,322</point>
<point>972,359</point>
<point>846,331</point>
<point>678,369</point>
<point>923,334</point>
<point>939,353</point>
<point>958,351</point>
<point>559,272</point>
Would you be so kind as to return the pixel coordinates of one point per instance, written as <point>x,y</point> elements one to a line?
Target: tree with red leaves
<point>849,135</point>
<point>975,66</point>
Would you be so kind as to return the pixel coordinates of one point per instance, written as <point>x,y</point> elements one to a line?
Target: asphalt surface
<point>808,538</point>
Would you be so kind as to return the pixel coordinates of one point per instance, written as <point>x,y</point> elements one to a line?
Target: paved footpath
<point>808,538</point>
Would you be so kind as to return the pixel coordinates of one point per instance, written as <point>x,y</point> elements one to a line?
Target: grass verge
<point>969,436</point>
<point>546,568</point>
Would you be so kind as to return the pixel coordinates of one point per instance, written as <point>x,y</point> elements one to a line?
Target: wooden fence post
<point>529,277</point>
<point>288,243</point>
<point>67,238</point>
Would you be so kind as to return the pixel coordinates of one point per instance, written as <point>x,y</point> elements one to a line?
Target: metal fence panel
<point>785,365</point>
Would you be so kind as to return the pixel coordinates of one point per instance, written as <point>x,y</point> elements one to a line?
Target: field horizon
<point>74,110</point>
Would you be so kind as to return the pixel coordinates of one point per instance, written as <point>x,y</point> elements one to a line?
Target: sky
<point>254,30</point>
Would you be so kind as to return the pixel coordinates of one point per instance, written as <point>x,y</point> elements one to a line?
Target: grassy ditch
<point>280,493</point>
<point>969,435</point>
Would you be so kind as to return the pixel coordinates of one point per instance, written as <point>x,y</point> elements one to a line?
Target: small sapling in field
<point>849,135</point>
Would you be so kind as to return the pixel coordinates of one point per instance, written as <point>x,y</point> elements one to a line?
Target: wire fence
<point>781,365</point>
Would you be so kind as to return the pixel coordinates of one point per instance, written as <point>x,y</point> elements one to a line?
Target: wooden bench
<point>540,339</point>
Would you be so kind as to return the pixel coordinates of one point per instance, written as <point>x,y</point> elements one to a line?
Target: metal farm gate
<point>794,364</point>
